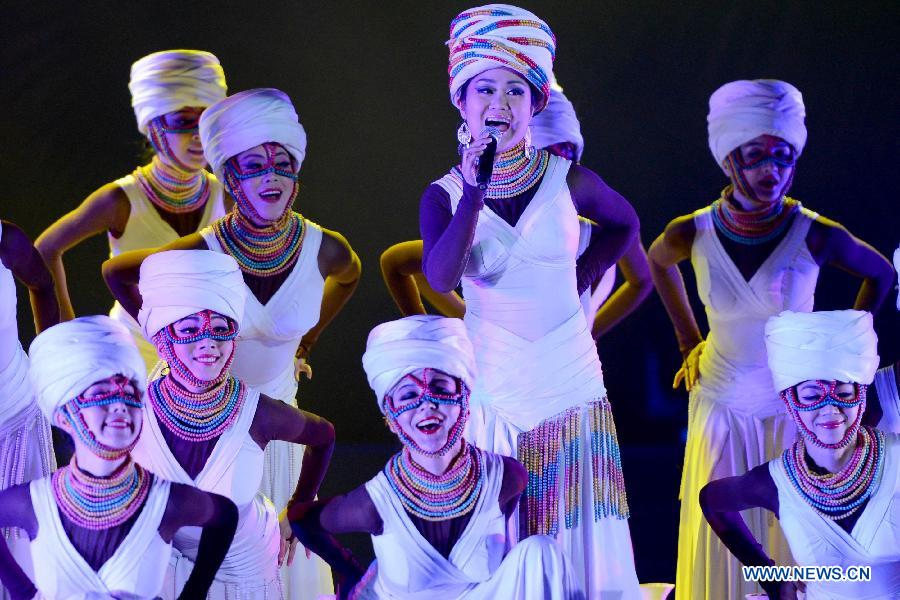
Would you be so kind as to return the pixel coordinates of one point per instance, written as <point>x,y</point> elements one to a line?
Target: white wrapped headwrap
<point>742,110</point>
<point>249,119</point>
<point>397,348</point>
<point>557,124</point>
<point>68,358</point>
<point>836,345</point>
<point>165,82</point>
<point>500,35</point>
<point>178,283</point>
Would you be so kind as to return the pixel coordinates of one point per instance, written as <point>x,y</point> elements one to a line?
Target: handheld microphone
<point>486,160</point>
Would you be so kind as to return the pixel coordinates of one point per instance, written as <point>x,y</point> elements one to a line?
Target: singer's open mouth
<point>499,123</point>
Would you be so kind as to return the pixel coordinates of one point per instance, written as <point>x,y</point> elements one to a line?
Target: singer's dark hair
<point>537,98</point>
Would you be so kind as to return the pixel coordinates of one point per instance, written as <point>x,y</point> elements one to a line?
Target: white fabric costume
<point>26,450</point>
<point>175,284</point>
<point>512,320</point>
<point>409,568</point>
<point>736,420</point>
<point>889,398</point>
<point>136,569</point>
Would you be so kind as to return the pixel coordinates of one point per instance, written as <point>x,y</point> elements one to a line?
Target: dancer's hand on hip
<point>690,368</point>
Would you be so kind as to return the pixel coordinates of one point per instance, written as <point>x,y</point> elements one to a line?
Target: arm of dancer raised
<point>217,515</point>
<point>122,272</point>
<point>830,243</point>
<point>16,511</point>
<point>401,268</point>
<point>612,213</point>
<point>27,266</point>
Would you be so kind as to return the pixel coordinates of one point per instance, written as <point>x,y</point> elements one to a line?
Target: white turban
<point>838,344</point>
<point>70,357</point>
<point>246,120</point>
<point>397,348</point>
<point>165,82</point>
<point>178,283</point>
<point>500,35</point>
<point>557,124</point>
<point>742,110</point>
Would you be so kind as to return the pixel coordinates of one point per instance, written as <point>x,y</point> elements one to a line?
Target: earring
<point>463,134</point>
<point>529,149</point>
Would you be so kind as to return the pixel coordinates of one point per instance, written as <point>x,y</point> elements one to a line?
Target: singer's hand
<point>470,156</point>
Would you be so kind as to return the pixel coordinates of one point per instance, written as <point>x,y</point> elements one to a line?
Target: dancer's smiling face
<point>501,98</point>
<point>115,424</point>
<point>206,357</point>
<point>829,423</point>
<point>267,179</point>
<point>429,424</point>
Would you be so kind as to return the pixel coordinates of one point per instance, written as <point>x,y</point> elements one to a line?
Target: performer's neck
<point>437,465</point>
<point>93,464</point>
<point>832,460</point>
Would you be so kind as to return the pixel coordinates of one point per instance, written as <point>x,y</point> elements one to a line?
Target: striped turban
<point>500,35</point>
<point>168,81</point>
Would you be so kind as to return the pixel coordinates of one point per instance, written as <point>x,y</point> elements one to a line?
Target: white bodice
<point>15,387</point>
<point>271,332</point>
<point>873,541</point>
<point>737,309</point>
<point>137,567</point>
<point>889,397</point>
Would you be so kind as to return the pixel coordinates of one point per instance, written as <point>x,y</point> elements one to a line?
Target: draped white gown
<point>537,362</point>
<point>889,398</point>
<point>736,419</point>
<point>264,360</point>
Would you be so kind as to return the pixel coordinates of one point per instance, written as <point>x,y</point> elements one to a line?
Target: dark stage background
<point>369,82</point>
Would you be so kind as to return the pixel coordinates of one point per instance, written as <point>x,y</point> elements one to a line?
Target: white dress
<point>889,398</point>
<point>874,540</point>
<point>522,309</point>
<point>407,567</point>
<point>264,360</point>
<point>146,229</point>
<point>736,419</point>
<point>137,567</point>
<point>26,449</point>
<point>233,470</point>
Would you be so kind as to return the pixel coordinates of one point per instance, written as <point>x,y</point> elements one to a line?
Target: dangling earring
<point>463,134</point>
<point>529,149</point>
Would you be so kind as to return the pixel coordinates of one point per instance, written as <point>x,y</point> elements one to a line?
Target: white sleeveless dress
<point>146,229</point>
<point>889,398</point>
<point>233,470</point>
<point>874,540</point>
<point>539,395</point>
<point>26,449</point>
<point>264,360</point>
<point>407,567</point>
<point>137,567</point>
<point>736,419</point>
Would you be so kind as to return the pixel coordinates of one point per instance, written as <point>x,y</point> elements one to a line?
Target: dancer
<point>298,275</point>
<point>887,385</point>
<point>556,129</point>
<point>161,201</point>
<point>437,513</point>
<point>205,427</point>
<point>835,489</point>
<point>26,452</point>
<point>103,525</point>
<point>514,245</point>
<point>755,253</point>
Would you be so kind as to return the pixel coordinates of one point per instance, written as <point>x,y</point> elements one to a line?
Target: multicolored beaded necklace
<point>836,496</point>
<point>101,502</point>
<point>752,227</point>
<point>261,251</point>
<point>515,172</point>
<point>171,188</point>
<point>197,416</point>
<point>437,497</point>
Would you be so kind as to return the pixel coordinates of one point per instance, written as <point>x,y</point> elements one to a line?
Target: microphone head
<point>492,132</point>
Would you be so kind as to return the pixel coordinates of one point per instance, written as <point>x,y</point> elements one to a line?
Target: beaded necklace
<point>101,502</point>
<point>515,172</point>
<point>197,417</point>
<point>836,496</point>
<point>437,497</point>
<point>173,189</point>
<point>261,251</point>
<point>752,227</point>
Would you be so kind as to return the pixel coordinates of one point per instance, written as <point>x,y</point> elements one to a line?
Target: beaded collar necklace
<point>516,171</point>
<point>101,502</point>
<point>836,496</point>
<point>261,251</point>
<point>752,227</point>
<point>173,189</point>
<point>437,497</point>
<point>197,417</point>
